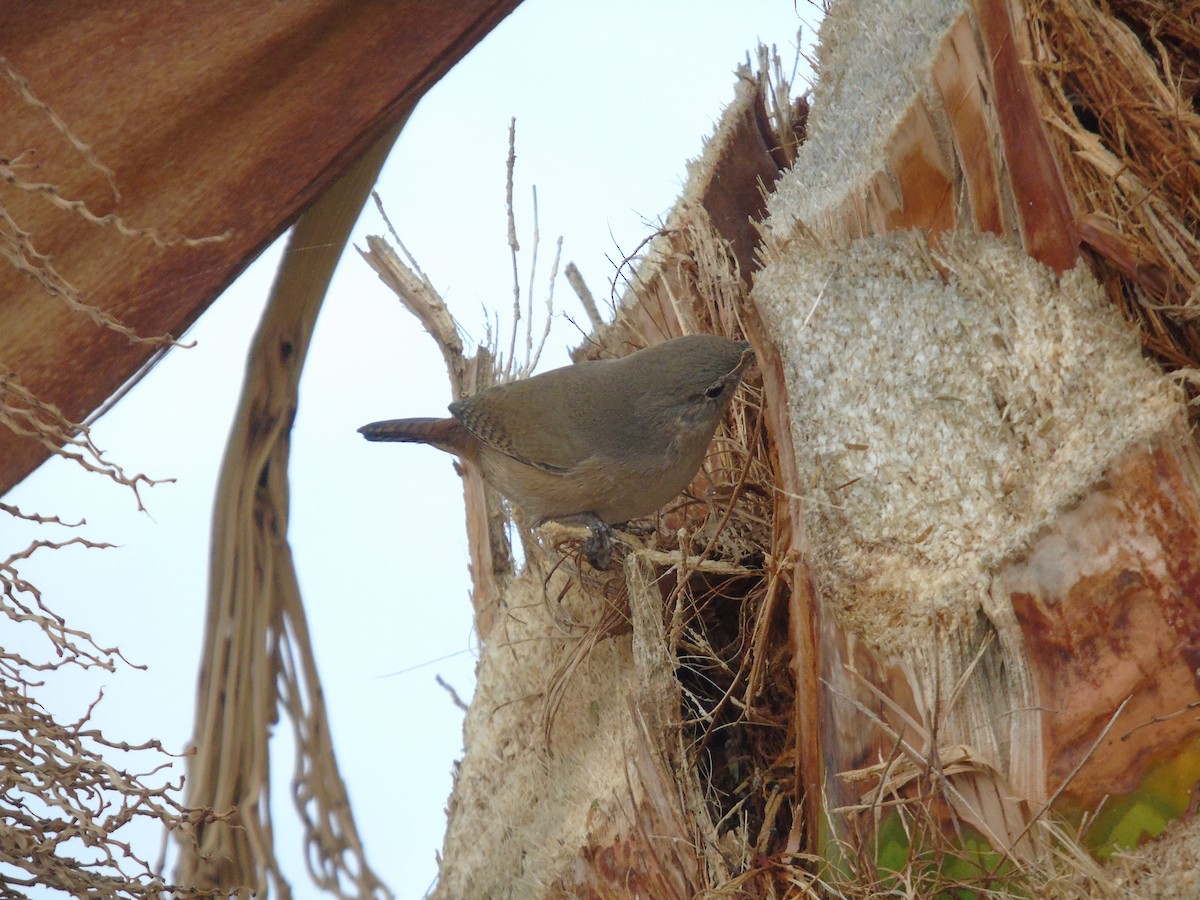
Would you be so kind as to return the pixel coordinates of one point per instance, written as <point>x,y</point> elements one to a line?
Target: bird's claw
<point>597,549</point>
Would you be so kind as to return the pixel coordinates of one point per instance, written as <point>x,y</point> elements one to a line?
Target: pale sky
<point>611,100</point>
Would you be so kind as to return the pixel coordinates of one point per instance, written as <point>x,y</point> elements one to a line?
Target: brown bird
<point>595,443</point>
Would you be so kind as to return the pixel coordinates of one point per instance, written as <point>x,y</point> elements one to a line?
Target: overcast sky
<point>611,100</point>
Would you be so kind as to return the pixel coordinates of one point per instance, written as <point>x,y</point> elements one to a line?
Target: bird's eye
<point>715,390</point>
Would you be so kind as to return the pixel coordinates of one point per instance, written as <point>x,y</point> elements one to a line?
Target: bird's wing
<point>507,420</point>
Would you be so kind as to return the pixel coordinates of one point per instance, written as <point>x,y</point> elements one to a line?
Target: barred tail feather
<point>445,434</point>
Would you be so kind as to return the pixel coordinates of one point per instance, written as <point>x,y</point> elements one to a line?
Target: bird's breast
<point>614,488</point>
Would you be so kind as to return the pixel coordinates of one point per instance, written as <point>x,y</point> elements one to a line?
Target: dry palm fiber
<point>966,448</point>
<point>1118,82</point>
<point>892,435</point>
<point>1164,869</point>
<point>944,446</point>
<point>257,653</point>
<point>68,792</point>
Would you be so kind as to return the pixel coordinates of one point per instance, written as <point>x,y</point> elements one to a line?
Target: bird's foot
<point>597,549</point>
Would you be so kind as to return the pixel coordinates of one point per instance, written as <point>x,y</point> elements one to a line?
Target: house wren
<point>594,443</point>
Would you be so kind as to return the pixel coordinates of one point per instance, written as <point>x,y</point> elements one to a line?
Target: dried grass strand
<point>1118,82</point>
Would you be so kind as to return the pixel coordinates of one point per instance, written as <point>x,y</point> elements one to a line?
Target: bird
<point>595,443</point>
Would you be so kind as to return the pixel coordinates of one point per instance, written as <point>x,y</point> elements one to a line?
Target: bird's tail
<point>445,434</point>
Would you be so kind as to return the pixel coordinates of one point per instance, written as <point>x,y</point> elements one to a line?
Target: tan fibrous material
<point>949,405</point>
<point>997,492</point>
<point>524,807</point>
